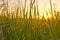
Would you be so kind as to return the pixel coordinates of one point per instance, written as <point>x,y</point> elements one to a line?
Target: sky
<point>42,4</point>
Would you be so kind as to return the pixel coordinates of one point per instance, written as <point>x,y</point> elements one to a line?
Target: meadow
<point>23,28</point>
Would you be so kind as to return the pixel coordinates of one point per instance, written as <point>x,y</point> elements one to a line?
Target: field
<point>16,25</point>
<point>25,29</point>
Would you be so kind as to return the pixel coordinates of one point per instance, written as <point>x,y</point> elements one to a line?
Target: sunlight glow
<point>43,5</point>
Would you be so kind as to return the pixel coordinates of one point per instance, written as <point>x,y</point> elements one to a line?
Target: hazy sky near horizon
<point>42,4</point>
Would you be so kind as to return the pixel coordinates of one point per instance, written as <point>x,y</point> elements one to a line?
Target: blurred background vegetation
<point>18,25</point>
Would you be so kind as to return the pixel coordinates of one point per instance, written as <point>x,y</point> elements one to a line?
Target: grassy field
<point>15,27</point>
<point>25,29</point>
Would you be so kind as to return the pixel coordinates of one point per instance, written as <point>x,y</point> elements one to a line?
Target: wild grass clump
<point>13,27</point>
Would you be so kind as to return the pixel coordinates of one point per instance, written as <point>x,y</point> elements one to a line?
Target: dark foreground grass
<point>25,29</point>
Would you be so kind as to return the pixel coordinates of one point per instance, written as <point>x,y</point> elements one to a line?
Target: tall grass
<point>23,28</point>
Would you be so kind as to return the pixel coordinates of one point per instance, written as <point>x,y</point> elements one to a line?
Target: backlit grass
<point>25,27</point>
